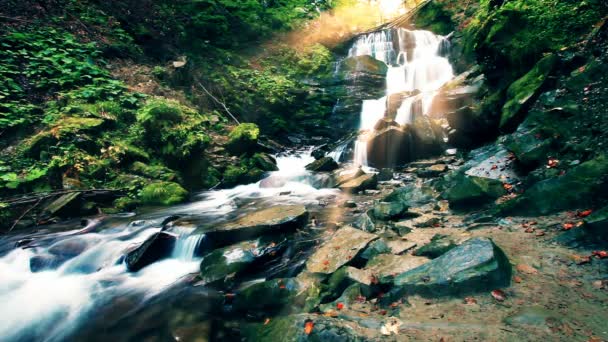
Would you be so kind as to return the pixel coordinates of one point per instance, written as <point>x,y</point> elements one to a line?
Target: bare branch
<point>220,103</point>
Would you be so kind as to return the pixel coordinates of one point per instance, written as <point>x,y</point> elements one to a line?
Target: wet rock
<point>325,164</point>
<point>400,246</point>
<point>385,211</point>
<point>427,137</point>
<point>481,179</point>
<point>267,295</point>
<point>390,147</point>
<point>411,195</point>
<point>342,279</point>
<point>524,91</point>
<point>291,328</point>
<point>156,247</point>
<point>348,297</point>
<point>365,223</point>
<point>65,206</point>
<point>438,246</point>
<point>43,262</point>
<point>364,182</point>
<point>343,246</point>
<point>476,265</point>
<point>68,248</point>
<point>529,150</point>
<point>265,162</point>
<point>366,65</point>
<point>273,181</point>
<point>266,221</point>
<point>577,188</point>
<point>386,266</point>
<point>320,151</point>
<point>349,204</point>
<point>597,223</point>
<point>236,259</point>
<point>432,171</point>
<point>385,123</point>
<point>375,248</point>
<point>385,174</point>
<point>346,175</point>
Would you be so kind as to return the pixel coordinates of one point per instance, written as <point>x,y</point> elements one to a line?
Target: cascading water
<point>43,299</point>
<point>415,62</point>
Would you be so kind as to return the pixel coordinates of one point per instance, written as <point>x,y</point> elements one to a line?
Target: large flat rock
<point>266,221</point>
<point>385,266</point>
<point>363,182</point>
<point>346,243</point>
<point>476,265</point>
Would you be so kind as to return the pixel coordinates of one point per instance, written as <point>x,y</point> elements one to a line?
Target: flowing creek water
<point>52,303</point>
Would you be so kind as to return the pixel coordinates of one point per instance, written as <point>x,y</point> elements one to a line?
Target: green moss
<point>243,138</point>
<point>435,18</point>
<point>524,90</point>
<point>156,172</point>
<point>163,193</point>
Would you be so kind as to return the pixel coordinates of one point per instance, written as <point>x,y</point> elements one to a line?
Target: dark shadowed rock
<point>156,247</point>
<point>476,265</point>
<point>68,248</point>
<point>237,259</point>
<point>390,147</point>
<point>325,164</point>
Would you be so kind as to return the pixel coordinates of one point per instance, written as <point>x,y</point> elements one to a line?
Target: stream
<point>56,280</point>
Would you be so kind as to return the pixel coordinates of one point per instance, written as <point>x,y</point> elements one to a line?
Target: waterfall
<point>185,247</point>
<point>416,62</point>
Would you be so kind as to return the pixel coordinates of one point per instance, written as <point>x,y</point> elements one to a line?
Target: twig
<point>14,19</point>
<point>23,215</point>
<point>220,103</point>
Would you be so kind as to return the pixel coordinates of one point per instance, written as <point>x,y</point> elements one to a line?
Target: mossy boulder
<point>155,171</point>
<point>468,189</point>
<point>411,195</point>
<point>243,138</point>
<point>578,187</point>
<point>524,91</point>
<point>438,246</point>
<point>385,211</point>
<point>364,64</point>
<point>476,265</point>
<point>163,193</point>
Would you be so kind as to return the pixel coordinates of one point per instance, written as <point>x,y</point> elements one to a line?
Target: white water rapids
<point>413,63</point>
<point>53,303</point>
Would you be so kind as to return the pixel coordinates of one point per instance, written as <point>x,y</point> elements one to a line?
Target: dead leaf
<point>527,269</point>
<point>308,326</point>
<point>580,259</point>
<point>551,163</point>
<point>499,295</point>
<point>567,226</point>
<point>517,279</point>
<point>340,306</point>
<point>584,213</point>
<point>600,254</point>
<point>266,321</point>
<point>470,300</point>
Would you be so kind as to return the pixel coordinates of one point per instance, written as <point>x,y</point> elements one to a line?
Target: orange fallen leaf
<point>340,306</point>
<point>499,295</point>
<point>282,286</point>
<point>527,269</point>
<point>551,163</point>
<point>568,225</point>
<point>580,260</point>
<point>326,262</point>
<point>600,254</point>
<point>308,327</point>
<point>507,186</point>
<point>266,321</point>
<point>584,213</point>
<point>517,279</point>
<point>470,300</point>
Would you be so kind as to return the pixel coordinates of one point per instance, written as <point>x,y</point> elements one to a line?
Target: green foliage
<point>514,35</point>
<point>163,193</point>
<point>245,133</point>
<point>43,63</point>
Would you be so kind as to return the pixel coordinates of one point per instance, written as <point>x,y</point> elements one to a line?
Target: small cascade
<point>337,153</point>
<point>186,246</point>
<point>416,63</point>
